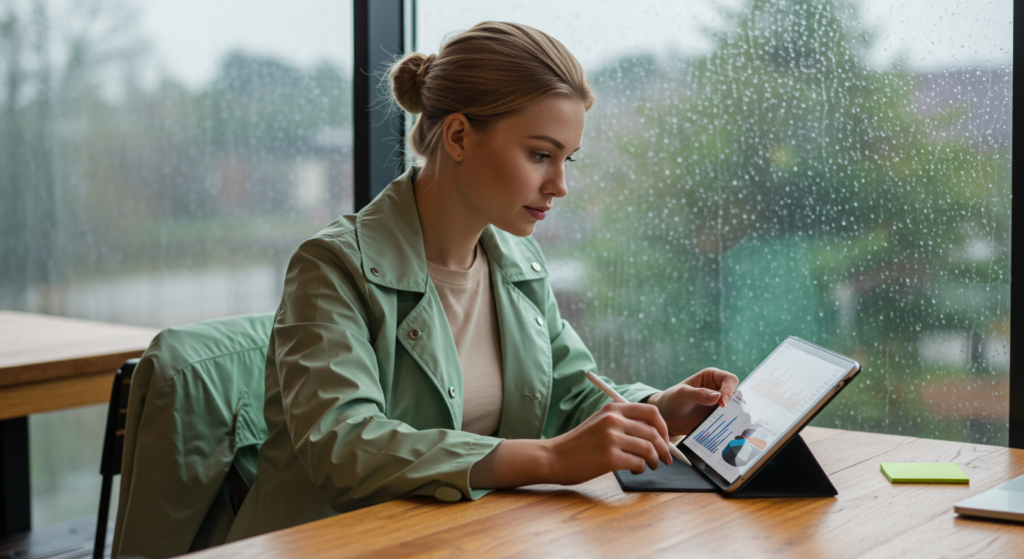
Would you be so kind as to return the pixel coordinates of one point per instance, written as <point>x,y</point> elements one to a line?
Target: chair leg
<point>101,518</point>
<point>15,495</point>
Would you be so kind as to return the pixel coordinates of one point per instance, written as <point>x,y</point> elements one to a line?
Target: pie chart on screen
<point>744,448</point>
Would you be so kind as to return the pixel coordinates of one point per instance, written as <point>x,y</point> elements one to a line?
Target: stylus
<point>618,398</point>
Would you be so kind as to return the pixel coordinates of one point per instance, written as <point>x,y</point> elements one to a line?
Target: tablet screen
<point>764,408</point>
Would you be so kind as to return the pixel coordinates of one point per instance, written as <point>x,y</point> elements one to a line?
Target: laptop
<point>1005,502</point>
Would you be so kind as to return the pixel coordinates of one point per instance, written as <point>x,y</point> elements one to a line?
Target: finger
<point>645,421</point>
<point>641,447</point>
<point>726,383</point>
<point>648,414</point>
<point>728,387</point>
<point>718,380</point>
<point>697,395</point>
<point>641,430</point>
<point>631,462</point>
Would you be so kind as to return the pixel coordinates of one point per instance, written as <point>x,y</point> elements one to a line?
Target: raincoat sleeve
<point>333,400</point>
<point>574,398</point>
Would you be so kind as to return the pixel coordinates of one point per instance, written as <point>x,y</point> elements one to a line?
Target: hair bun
<point>407,81</point>
<point>486,73</point>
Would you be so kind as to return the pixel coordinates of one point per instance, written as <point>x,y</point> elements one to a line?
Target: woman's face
<point>510,175</point>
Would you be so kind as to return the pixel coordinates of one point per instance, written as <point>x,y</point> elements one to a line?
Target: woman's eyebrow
<point>553,141</point>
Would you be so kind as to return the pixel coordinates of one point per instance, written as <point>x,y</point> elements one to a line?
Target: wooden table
<point>870,516</point>
<point>50,363</point>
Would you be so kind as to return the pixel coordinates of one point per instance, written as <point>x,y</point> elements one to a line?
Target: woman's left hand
<point>688,403</point>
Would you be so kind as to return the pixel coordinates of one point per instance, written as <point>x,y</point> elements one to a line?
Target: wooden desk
<point>49,363</point>
<point>870,517</point>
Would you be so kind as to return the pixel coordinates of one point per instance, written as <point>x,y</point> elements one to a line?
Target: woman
<point>418,349</point>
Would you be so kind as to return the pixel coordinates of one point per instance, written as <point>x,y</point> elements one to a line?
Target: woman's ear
<point>454,135</point>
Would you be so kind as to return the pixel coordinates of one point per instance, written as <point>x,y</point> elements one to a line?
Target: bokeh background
<point>832,169</point>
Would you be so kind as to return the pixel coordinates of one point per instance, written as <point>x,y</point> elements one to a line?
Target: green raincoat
<point>363,384</point>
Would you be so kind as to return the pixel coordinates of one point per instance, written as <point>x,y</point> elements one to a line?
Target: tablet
<point>768,408</point>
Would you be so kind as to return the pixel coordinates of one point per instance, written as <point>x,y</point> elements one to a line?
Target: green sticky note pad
<point>926,472</point>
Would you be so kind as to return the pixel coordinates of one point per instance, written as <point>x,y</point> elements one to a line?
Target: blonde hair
<point>487,73</point>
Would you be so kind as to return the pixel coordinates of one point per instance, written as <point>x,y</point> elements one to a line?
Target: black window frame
<point>378,133</point>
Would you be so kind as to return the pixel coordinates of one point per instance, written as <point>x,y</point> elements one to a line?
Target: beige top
<point>469,306</point>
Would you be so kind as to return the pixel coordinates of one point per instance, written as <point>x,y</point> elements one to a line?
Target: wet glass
<point>159,163</point>
<point>838,171</point>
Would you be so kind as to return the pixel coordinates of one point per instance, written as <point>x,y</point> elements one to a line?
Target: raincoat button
<point>414,334</point>
<point>540,321</point>
<point>536,267</point>
<point>451,391</point>
<point>375,272</point>
<point>448,494</point>
<point>536,397</point>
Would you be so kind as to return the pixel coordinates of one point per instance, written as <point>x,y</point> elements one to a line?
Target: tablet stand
<point>792,472</point>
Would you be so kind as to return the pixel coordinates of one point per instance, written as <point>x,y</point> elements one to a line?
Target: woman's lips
<point>537,213</point>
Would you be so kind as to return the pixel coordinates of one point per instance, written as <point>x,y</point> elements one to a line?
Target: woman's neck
<point>450,227</point>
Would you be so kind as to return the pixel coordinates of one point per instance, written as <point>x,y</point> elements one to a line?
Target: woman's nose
<point>556,185</point>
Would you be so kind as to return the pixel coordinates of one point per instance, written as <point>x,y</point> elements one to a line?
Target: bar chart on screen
<point>713,436</point>
<point>788,383</point>
<point>776,388</point>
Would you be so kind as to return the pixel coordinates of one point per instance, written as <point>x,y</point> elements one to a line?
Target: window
<point>159,163</point>
<point>834,170</point>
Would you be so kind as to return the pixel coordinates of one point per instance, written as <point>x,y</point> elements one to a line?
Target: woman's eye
<point>570,160</point>
<point>540,156</point>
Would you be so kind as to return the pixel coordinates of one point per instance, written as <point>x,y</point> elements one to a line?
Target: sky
<point>188,38</point>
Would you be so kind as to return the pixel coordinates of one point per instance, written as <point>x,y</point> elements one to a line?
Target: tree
<point>780,185</point>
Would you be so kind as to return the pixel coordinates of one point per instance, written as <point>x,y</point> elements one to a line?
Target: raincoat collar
<point>391,242</point>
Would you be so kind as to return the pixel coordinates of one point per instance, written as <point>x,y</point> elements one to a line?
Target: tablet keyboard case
<point>792,472</point>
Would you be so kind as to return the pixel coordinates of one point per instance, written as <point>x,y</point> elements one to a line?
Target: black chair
<point>196,384</point>
<point>113,448</point>
<point>113,454</point>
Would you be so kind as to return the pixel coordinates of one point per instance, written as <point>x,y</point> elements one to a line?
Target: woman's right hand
<point>617,437</point>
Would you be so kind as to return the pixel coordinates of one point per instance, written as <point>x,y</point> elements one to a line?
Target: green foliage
<point>781,186</point>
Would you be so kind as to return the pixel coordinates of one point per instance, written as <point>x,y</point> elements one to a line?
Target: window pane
<point>159,163</point>
<point>834,170</point>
